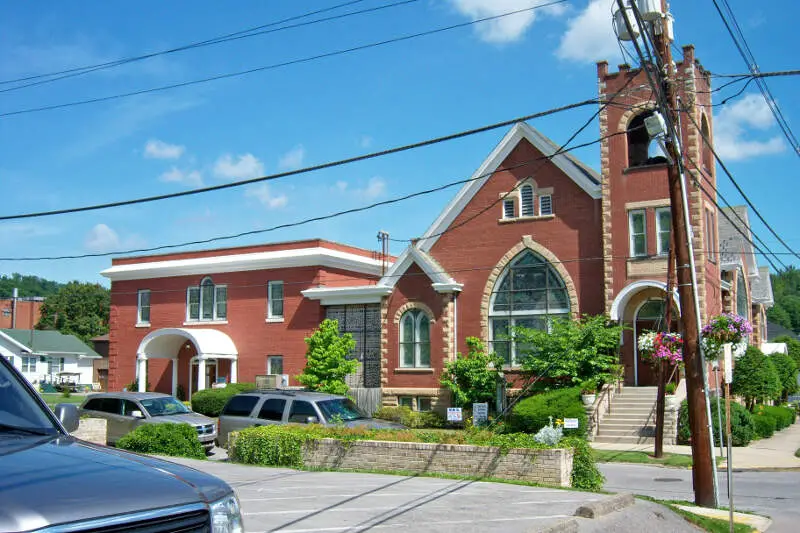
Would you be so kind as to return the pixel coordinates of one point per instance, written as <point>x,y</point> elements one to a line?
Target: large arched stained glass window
<point>528,293</point>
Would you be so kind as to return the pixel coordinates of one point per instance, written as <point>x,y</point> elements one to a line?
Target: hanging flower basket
<point>724,329</point>
<point>660,346</point>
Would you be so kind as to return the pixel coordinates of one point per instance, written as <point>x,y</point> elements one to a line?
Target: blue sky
<point>323,110</point>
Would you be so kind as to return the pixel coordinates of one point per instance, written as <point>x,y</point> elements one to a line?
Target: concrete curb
<point>606,506</point>
<point>565,526</point>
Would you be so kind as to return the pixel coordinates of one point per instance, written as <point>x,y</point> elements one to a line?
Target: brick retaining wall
<point>549,466</point>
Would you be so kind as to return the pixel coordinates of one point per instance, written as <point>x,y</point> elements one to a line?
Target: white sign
<point>480,413</point>
<point>727,351</point>
<point>570,423</point>
<point>454,414</point>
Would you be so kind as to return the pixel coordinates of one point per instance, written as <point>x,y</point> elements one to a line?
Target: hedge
<point>764,424</point>
<point>409,418</point>
<point>784,416</point>
<point>178,440</point>
<point>210,402</point>
<point>533,413</point>
<point>277,445</point>
<point>742,425</point>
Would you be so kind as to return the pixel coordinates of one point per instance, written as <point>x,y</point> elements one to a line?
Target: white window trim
<point>631,242</point>
<point>269,365</point>
<point>214,318</point>
<point>660,230</point>
<point>417,342</point>
<point>270,316</point>
<point>522,204</point>
<point>552,211</point>
<point>139,321</point>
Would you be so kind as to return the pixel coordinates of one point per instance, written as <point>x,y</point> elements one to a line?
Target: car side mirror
<point>312,420</point>
<point>67,414</point>
<point>137,414</point>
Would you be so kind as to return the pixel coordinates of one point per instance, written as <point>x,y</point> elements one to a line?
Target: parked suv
<point>52,482</point>
<point>281,406</point>
<point>125,411</point>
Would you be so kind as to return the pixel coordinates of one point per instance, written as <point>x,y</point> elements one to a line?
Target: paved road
<point>774,494</point>
<point>283,500</point>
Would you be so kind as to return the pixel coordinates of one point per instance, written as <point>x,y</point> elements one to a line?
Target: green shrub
<point>764,424</point>
<point>585,474</point>
<point>533,413</point>
<point>210,402</point>
<point>784,416</point>
<point>409,418</point>
<point>742,429</point>
<point>755,378</point>
<point>271,445</point>
<point>178,440</point>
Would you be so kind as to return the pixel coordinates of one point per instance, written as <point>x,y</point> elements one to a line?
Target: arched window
<point>640,150</point>
<point>528,293</point>
<point>415,339</point>
<point>526,200</point>
<point>207,301</point>
<point>741,296</point>
<point>708,155</point>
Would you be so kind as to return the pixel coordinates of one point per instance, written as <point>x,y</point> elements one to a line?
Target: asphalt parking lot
<point>283,500</point>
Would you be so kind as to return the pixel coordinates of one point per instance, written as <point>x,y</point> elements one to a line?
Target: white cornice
<point>366,294</point>
<point>215,264</point>
<point>441,280</point>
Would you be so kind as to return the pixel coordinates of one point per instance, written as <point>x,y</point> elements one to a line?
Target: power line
<point>300,222</point>
<point>278,65</point>
<point>305,170</point>
<point>750,61</point>
<point>244,34</point>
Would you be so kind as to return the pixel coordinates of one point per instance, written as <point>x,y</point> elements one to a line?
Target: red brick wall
<point>28,313</point>
<point>415,286</point>
<point>470,252</point>
<point>254,338</point>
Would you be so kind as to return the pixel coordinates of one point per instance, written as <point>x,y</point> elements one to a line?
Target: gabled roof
<point>732,245</point>
<point>586,178</point>
<point>442,281</point>
<point>45,342</point>
<point>776,330</point>
<point>761,288</point>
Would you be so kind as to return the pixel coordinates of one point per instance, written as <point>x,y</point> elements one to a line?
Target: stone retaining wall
<point>549,466</point>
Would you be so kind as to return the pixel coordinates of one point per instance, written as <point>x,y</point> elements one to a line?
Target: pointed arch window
<point>415,339</point>
<point>207,302</point>
<point>529,293</point>
<point>741,296</point>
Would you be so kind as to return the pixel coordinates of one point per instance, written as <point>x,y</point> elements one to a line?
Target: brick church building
<point>535,234</point>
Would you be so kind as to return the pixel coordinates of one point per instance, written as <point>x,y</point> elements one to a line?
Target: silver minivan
<point>125,411</point>
<point>283,406</point>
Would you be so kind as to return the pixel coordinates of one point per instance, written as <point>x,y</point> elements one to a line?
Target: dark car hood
<point>46,481</point>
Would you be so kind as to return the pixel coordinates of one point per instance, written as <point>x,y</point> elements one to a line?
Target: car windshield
<point>19,411</point>
<point>340,409</point>
<point>164,406</point>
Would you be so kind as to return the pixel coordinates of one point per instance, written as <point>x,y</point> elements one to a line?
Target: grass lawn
<point>669,459</point>
<point>53,398</point>
<point>713,525</point>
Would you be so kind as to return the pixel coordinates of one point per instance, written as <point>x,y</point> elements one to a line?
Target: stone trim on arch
<point>636,109</point>
<point>414,305</point>
<point>527,243</point>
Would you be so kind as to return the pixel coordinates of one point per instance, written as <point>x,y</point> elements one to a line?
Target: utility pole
<point>702,458</point>
<point>663,366</point>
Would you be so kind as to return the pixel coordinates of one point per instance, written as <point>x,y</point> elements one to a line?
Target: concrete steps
<point>632,418</point>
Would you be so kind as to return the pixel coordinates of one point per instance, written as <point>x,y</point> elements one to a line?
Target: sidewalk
<point>776,452</point>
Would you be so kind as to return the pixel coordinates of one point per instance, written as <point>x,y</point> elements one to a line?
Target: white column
<point>142,373</point>
<point>201,373</point>
<point>234,371</point>
<point>175,377</point>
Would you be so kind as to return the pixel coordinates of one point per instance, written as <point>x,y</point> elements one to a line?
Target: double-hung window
<point>415,339</point>
<point>637,226</point>
<point>29,364</point>
<point>207,302</point>
<point>275,300</point>
<point>663,226</point>
<point>143,306</point>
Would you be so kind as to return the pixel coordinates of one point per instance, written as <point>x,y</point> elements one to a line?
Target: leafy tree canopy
<point>79,309</point>
<point>755,378</point>
<point>327,362</point>
<point>786,291</point>
<point>473,378</point>
<point>27,285</point>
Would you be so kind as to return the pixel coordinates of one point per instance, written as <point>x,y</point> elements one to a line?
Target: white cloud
<point>375,187</point>
<point>341,186</point>
<point>505,29</point>
<point>590,35</point>
<point>175,175</point>
<point>730,126</point>
<point>264,195</point>
<point>155,149</point>
<point>101,238</point>
<point>293,159</point>
<point>238,168</point>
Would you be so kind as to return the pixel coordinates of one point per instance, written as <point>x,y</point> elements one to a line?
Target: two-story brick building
<point>535,234</point>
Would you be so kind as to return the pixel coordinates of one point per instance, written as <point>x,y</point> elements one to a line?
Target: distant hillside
<point>786,289</point>
<point>27,285</point>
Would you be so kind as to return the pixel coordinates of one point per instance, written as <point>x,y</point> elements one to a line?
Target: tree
<point>787,373</point>
<point>327,362</point>
<point>786,291</point>
<point>473,378</point>
<point>755,378</point>
<point>79,309</point>
<point>793,345</point>
<point>27,285</point>
<point>780,316</point>
<point>572,352</point>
